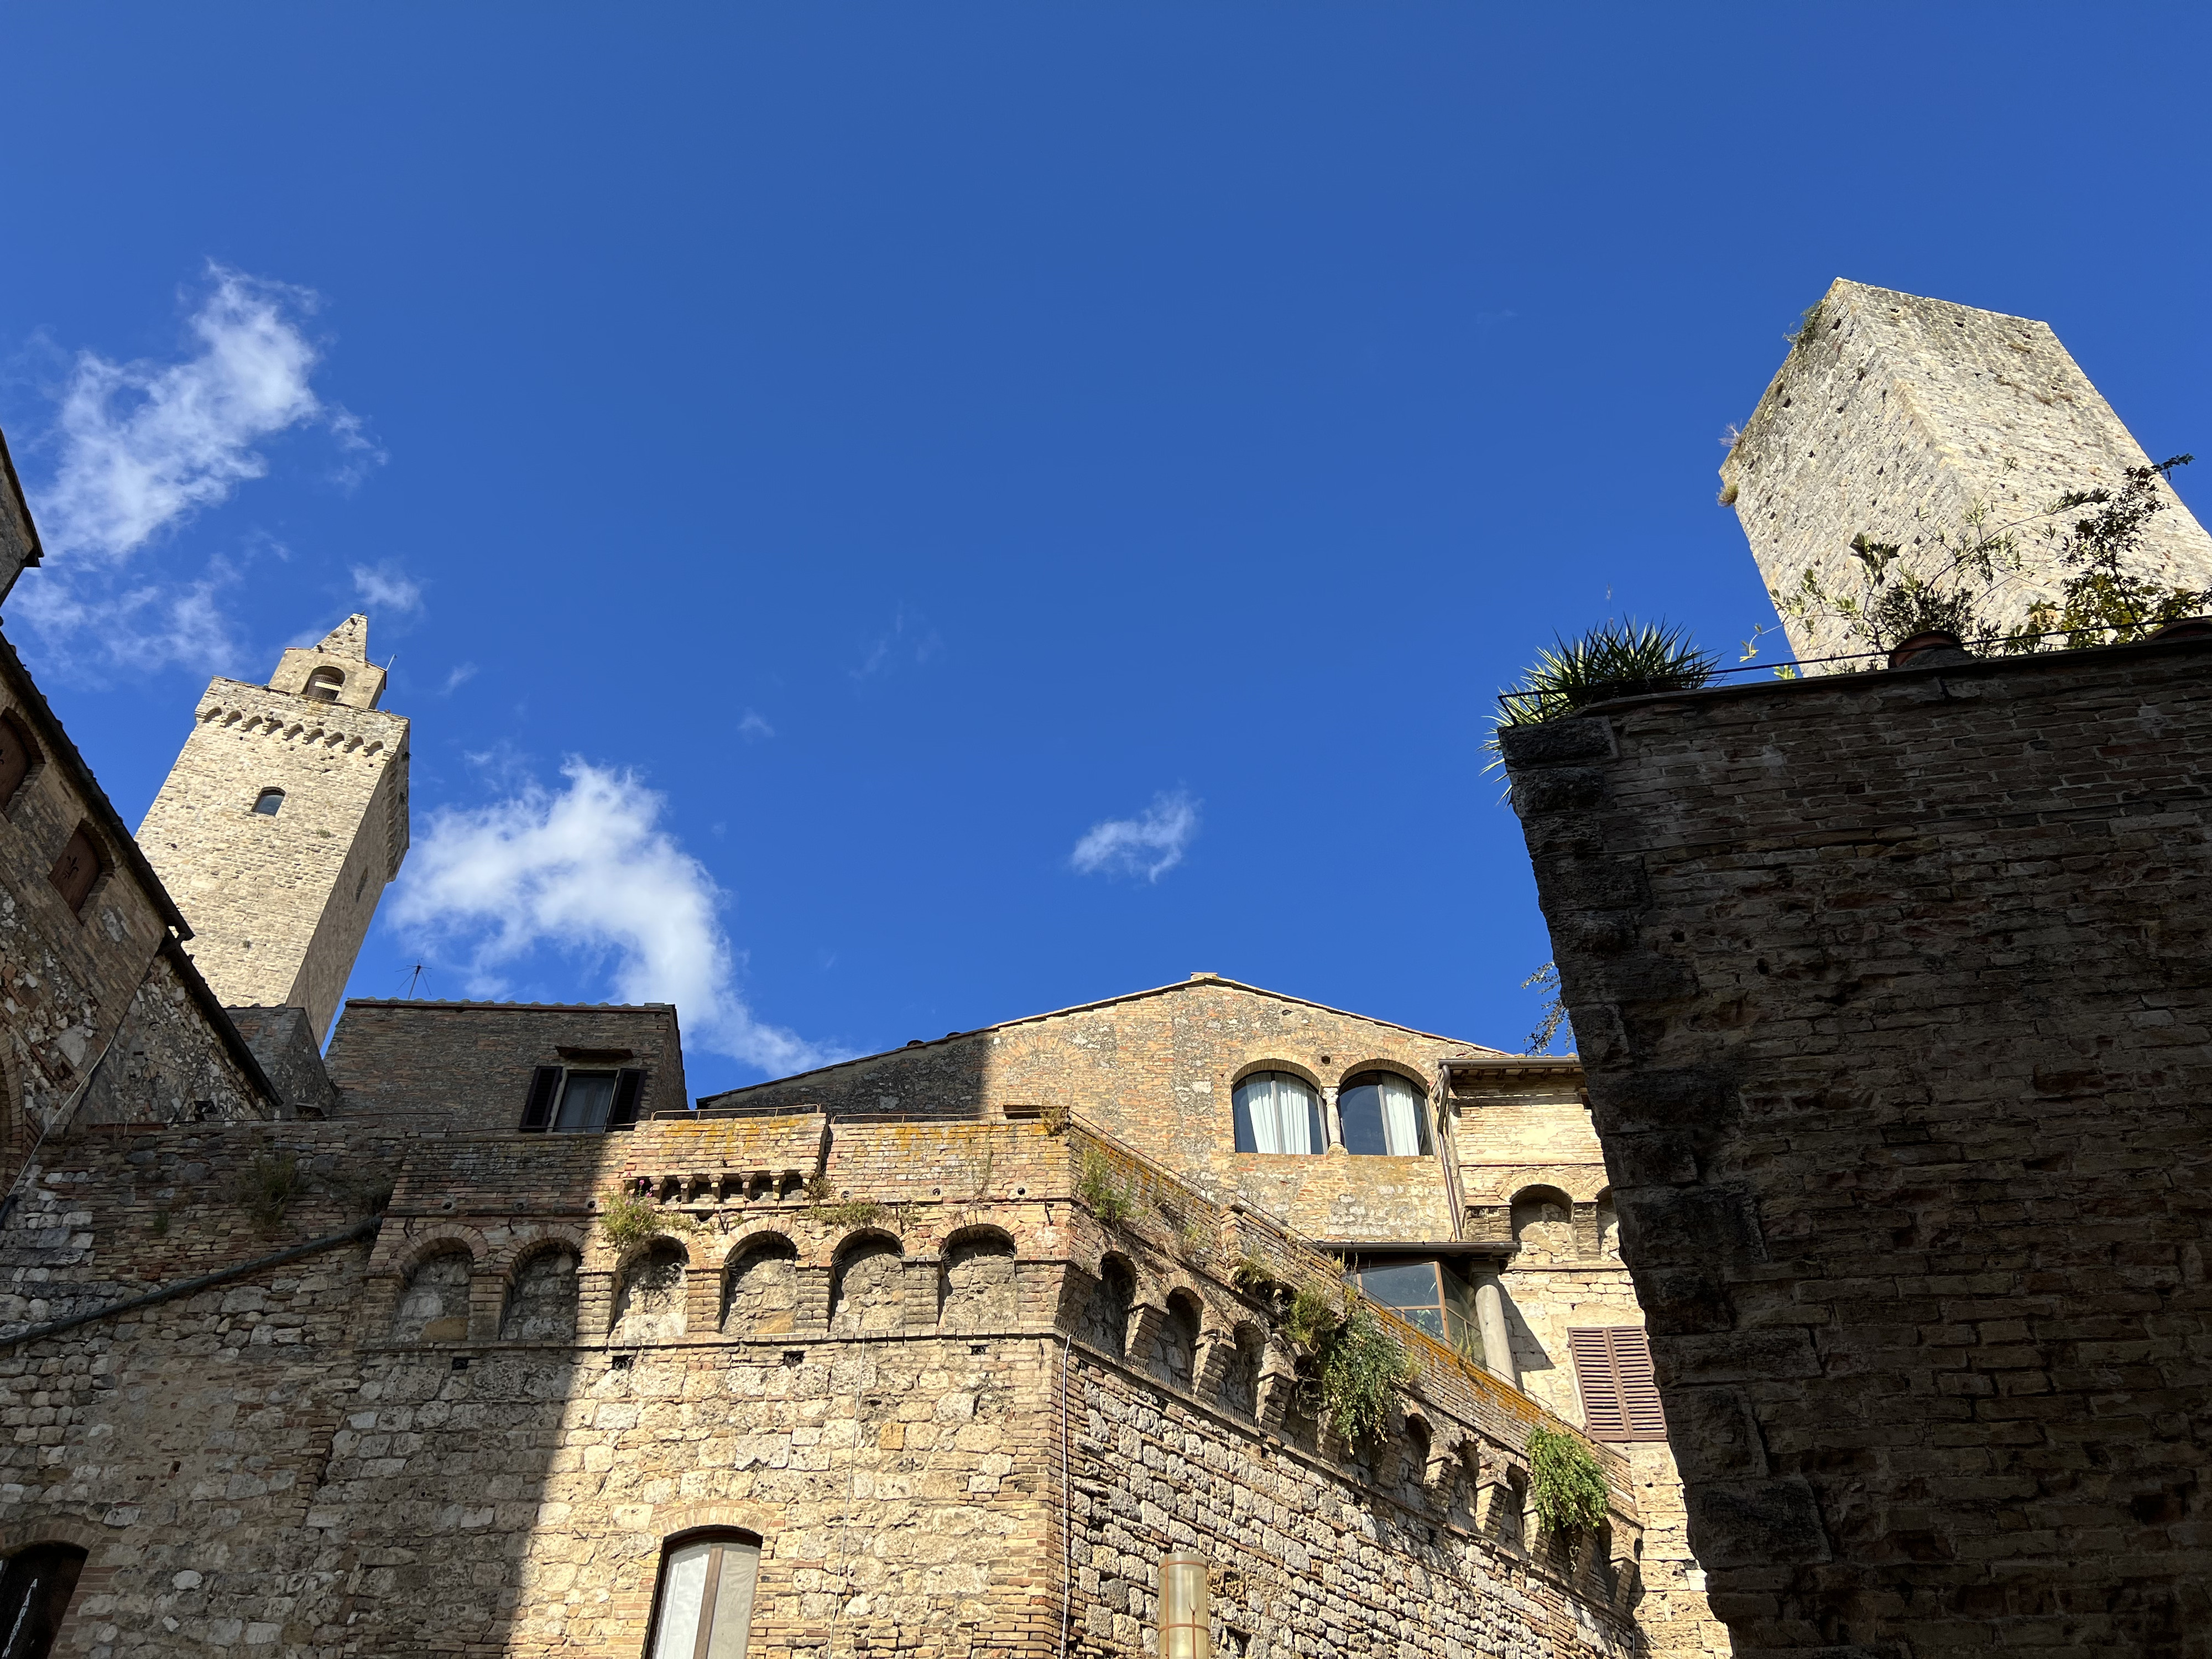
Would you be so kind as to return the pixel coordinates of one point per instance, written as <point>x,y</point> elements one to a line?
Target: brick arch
<point>669,1520</point>
<point>631,1254</point>
<point>536,1237</point>
<point>869,1234</point>
<point>440,1237</point>
<point>1405,1069</point>
<point>75,1530</point>
<point>978,1232</point>
<point>1298,1069</point>
<point>755,1232</point>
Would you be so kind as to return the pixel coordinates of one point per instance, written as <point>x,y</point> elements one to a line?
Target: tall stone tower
<point>1897,416</point>
<point>281,823</point>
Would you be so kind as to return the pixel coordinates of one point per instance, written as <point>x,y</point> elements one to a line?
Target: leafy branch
<point>1564,1482</point>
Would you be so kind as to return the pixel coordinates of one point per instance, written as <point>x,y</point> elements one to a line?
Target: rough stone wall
<point>1896,415</point>
<point>1892,991</point>
<point>283,1042</point>
<point>467,1065</point>
<point>279,905</point>
<point>1157,1070</point>
<point>168,1064</point>
<point>19,536</point>
<point>343,1455</point>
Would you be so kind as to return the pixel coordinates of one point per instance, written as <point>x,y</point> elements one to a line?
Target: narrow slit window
<point>703,1606</point>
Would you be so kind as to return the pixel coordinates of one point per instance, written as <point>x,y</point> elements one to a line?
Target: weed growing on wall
<point>1362,1368</point>
<point>850,1214</point>
<point>1614,659</point>
<point>1951,583</point>
<point>1564,1482</point>
<point>1099,1188</point>
<point>632,1218</point>
<point>1250,1273</point>
<point>1312,1315</point>
<point>267,1187</point>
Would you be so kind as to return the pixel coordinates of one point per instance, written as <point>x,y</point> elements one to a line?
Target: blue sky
<point>891,518</point>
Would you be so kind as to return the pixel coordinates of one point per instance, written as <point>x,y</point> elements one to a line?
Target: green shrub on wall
<point>1564,1482</point>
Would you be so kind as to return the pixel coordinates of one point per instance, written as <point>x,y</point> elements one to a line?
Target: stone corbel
<point>1279,1382</point>
<point>1497,1506</point>
<point>1215,1350</point>
<point>1145,1319</point>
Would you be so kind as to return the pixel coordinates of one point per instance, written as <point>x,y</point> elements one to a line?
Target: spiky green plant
<point>1614,659</point>
<point>1564,1482</point>
<point>1099,1188</point>
<point>630,1218</point>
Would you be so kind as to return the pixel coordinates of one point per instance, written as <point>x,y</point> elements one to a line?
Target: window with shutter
<point>629,1084</point>
<point>1620,1399</point>
<point>77,869</point>
<point>538,1104</point>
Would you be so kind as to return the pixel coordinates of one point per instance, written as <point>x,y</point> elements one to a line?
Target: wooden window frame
<point>1619,1393</point>
<point>717,1538</point>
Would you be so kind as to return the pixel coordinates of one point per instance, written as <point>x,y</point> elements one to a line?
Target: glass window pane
<point>1401,1115</point>
<point>683,1587</point>
<point>1360,1109</point>
<point>733,1601</point>
<point>585,1101</point>
<point>1402,1284</point>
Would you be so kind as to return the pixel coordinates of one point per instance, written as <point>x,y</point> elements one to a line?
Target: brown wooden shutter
<point>538,1106</point>
<point>78,868</point>
<point>629,1084</point>
<point>1620,1399</point>
<point>17,756</point>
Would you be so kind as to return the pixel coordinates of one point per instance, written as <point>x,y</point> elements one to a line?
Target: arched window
<point>18,755</point>
<point>541,1303</point>
<point>269,803</point>
<point>323,684</point>
<point>35,1587</point>
<point>1383,1117</point>
<point>1277,1112</point>
<point>703,1607</point>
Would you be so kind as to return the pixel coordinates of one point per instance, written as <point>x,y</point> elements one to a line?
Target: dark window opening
<point>18,755</point>
<point>75,874</point>
<point>35,1587</point>
<point>703,1607</point>
<point>323,684</point>
<point>269,803</point>
<point>582,1101</point>
<point>1621,1397</point>
<point>1384,1116</point>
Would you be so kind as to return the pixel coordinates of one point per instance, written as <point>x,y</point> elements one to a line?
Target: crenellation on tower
<point>281,823</point>
<point>1898,416</point>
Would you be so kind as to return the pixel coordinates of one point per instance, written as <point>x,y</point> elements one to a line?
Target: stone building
<point>1898,417</point>
<point>476,1335</point>
<point>1892,993</point>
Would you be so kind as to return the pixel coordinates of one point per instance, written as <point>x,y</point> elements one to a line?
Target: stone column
<point>1333,1124</point>
<point>1497,1334</point>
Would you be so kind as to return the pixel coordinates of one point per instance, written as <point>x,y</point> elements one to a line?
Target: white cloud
<point>754,726</point>
<point>587,871</point>
<point>145,445</point>
<point>383,586</point>
<point>1148,846</point>
<point>908,638</point>
<point>462,674</point>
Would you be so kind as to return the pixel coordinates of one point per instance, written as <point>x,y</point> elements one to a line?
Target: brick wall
<point>1892,993</point>
<point>468,1065</point>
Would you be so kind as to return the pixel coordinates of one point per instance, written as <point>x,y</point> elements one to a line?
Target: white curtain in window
<point>1280,1109</point>
<point>706,1600</point>
<point>1402,1118</point>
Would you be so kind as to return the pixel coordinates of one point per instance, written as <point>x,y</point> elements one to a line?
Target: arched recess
<point>760,1287</point>
<point>1174,1350</point>
<point>976,1283</point>
<point>1543,1227</point>
<point>649,1304</point>
<point>1106,1320</point>
<point>434,1305</point>
<point>541,1296</point>
<point>866,1298</point>
<point>1240,1378</point>
<point>36,1583</point>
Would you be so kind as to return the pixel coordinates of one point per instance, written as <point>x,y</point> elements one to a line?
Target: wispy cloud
<point>588,871</point>
<point>383,586</point>
<point>753,727</point>
<point>1149,845</point>
<point>910,639</point>
<point>144,446</point>
<point>462,674</point>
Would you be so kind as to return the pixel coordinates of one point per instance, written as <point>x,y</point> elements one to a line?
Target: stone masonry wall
<point>1896,415</point>
<point>166,1065</point>
<point>1157,1070</point>
<point>1892,993</point>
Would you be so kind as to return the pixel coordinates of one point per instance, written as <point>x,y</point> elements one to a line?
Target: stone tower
<point>281,823</point>
<point>1896,415</point>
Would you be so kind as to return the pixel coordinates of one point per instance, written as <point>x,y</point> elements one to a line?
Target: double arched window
<point>1383,1116</point>
<point>1277,1112</point>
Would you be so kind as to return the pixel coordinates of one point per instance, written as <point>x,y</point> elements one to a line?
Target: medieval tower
<point>1898,416</point>
<point>282,822</point>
